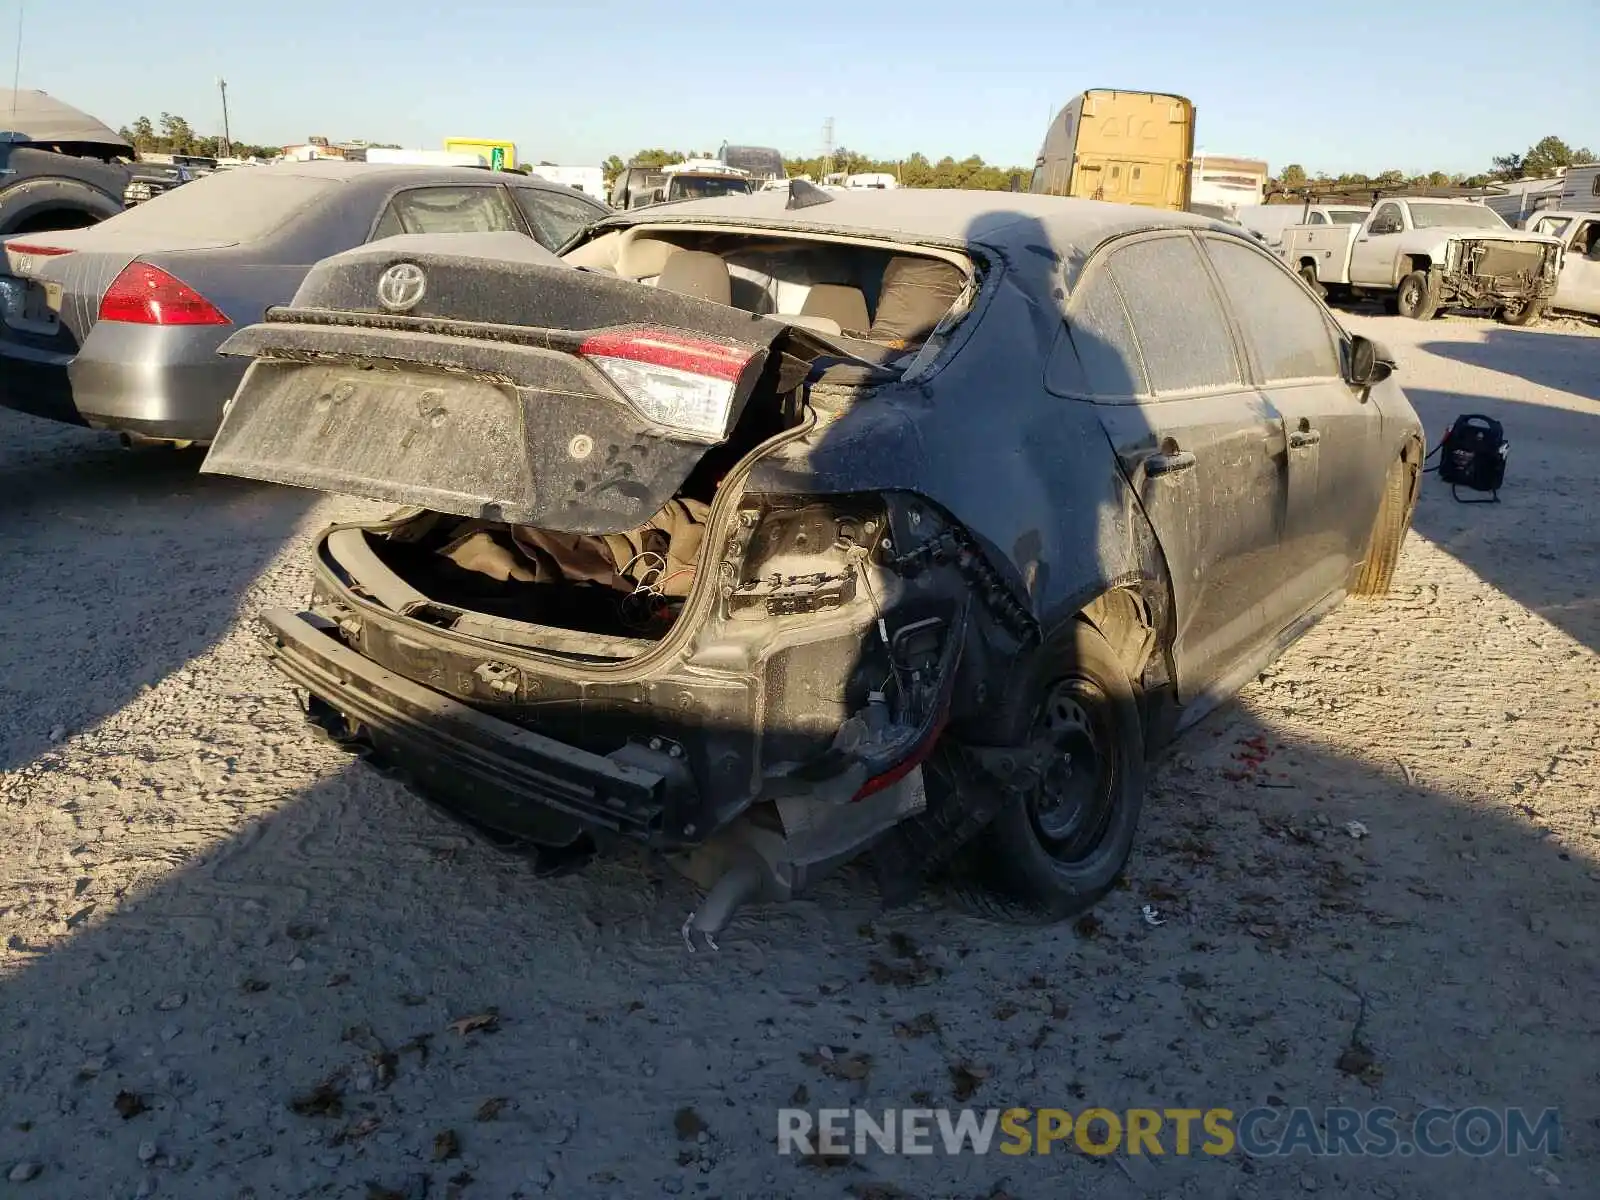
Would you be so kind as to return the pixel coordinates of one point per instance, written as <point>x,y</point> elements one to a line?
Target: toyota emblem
<point>401,287</point>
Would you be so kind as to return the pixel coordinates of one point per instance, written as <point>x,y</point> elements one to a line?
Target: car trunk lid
<point>482,376</point>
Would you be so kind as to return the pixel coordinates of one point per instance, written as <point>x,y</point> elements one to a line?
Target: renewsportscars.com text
<point>1258,1132</point>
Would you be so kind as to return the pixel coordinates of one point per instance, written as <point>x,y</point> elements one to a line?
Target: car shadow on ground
<point>1570,364</point>
<point>116,568</point>
<point>1548,508</point>
<point>280,1011</point>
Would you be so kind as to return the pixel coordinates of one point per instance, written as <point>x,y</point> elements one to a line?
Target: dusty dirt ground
<point>208,914</point>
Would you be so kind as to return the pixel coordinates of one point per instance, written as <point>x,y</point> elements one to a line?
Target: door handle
<point>1169,463</point>
<point>1302,438</point>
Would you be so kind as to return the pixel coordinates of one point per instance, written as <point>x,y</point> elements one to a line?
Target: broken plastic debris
<point>688,936</point>
<point>1356,830</point>
<point>1152,917</point>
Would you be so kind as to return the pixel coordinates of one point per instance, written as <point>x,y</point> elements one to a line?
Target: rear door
<point>1199,444</point>
<point>1334,464</point>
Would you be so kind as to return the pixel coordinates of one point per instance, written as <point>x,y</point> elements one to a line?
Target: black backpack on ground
<point>1473,455</point>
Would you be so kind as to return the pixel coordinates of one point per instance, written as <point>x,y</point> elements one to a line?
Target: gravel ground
<point>237,962</point>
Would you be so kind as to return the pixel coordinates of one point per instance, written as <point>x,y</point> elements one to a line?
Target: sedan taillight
<point>147,295</point>
<point>675,379</point>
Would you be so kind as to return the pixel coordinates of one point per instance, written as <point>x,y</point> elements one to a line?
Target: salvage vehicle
<point>767,530</point>
<point>117,326</point>
<point>1579,233</point>
<point>59,168</point>
<point>1125,147</point>
<point>1425,255</point>
<point>637,186</point>
<point>149,180</point>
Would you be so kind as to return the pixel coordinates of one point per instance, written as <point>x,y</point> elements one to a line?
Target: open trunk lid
<point>478,374</point>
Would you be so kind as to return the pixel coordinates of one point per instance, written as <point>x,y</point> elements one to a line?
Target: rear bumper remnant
<point>483,764</point>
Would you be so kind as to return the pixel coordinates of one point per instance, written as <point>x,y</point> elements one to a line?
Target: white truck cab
<point>1579,232</point>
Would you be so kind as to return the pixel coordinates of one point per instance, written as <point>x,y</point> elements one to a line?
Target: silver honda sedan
<point>117,326</point>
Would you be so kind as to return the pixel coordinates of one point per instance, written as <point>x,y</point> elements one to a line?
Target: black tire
<point>40,205</point>
<point>1526,312</point>
<point>1308,272</point>
<point>1059,848</point>
<point>1388,531</point>
<point>1417,296</point>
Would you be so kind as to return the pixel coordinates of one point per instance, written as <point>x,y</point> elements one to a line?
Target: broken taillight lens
<point>147,295</point>
<point>677,380</point>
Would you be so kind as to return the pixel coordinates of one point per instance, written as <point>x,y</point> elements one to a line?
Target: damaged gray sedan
<point>770,530</point>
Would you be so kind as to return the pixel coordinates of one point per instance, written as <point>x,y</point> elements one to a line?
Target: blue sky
<point>1341,85</point>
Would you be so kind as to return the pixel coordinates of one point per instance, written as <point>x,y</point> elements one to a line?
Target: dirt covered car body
<point>769,528</point>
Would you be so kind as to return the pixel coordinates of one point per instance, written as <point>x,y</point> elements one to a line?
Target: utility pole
<point>227,137</point>
<point>827,149</point>
<point>16,73</point>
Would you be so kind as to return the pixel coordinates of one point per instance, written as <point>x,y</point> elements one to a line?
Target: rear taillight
<point>147,295</point>
<point>35,249</point>
<point>675,379</point>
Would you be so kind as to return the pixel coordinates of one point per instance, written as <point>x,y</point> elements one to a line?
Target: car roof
<point>384,174</point>
<point>1002,220</point>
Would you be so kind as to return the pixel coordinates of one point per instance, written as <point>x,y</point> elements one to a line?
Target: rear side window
<point>1183,335</point>
<point>1317,218</point>
<point>449,210</point>
<point>1106,363</point>
<point>555,218</point>
<point>1285,332</point>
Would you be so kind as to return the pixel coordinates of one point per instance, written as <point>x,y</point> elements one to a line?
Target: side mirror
<point>1368,362</point>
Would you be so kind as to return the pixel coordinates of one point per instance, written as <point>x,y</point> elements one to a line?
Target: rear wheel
<point>1308,272</point>
<point>1060,845</point>
<point>1388,531</point>
<point>1522,312</point>
<point>1417,296</point>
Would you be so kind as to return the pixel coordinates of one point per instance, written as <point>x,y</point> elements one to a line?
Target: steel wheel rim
<point>1072,804</point>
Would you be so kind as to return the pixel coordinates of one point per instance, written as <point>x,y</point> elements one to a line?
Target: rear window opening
<point>885,300</point>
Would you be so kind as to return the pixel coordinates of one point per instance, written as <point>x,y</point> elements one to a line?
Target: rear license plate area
<point>31,305</point>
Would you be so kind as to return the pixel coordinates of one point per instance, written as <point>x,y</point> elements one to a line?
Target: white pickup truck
<point>1425,255</point>
<point>1579,290</point>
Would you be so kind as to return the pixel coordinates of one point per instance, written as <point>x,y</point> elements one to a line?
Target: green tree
<point>1505,166</point>
<point>1546,156</point>
<point>613,167</point>
<point>656,158</point>
<point>176,134</point>
<point>1294,175</point>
